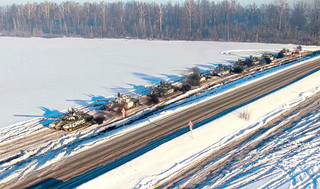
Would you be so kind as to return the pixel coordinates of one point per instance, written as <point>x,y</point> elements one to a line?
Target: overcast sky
<point>244,2</point>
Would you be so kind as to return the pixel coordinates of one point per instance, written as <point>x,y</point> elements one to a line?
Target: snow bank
<point>149,168</point>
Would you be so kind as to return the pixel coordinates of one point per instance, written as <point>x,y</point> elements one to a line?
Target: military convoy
<point>266,58</point>
<point>75,119</point>
<point>165,89</point>
<point>196,78</point>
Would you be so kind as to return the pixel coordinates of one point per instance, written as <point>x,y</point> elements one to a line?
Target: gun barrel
<point>49,118</point>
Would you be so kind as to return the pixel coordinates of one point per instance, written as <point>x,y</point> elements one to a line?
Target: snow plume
<point>194,78</point>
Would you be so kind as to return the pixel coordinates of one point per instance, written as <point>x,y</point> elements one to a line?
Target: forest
<point>225,20</point>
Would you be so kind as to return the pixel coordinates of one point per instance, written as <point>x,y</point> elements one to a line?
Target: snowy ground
<point>149,169</point>
<point>39,76</point>
<point>44,154</point>
<point>290,159</point>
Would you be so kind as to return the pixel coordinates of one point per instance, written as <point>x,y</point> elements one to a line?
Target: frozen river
<point>59,73</point>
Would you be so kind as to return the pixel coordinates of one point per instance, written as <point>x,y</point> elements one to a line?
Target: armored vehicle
<point>297,50</point>
<point>284,52</point>
<point>255,60</point>
<point>163,90</point>
<point>73,120</point>
<point>123,101</point>
<point>220,71</point>
<point>195,78</point>
<point>268,57</point>
<point>249,61</point>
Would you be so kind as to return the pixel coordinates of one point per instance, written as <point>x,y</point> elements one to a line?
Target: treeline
<point>192,20</point>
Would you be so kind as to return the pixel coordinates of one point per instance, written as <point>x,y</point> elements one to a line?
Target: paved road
<point>126,144</point>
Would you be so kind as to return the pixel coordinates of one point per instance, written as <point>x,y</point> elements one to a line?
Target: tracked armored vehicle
<point>195,78</point>
<point>163,90</point>
<point>220,71</point>
<point>248,62</point>
<point>123,101</point>
<point>73,120</point>
<point>268,57</point>
<point>284,52</point>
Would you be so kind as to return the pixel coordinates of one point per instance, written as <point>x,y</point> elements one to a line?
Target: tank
<point>268,57</point>
<point>163,90</point>
<point>123,101</point>
<point>248,62</point>
<point>73,120</point>
<point>195,78</point>
<point>220,71</point>
<point>284,52</point>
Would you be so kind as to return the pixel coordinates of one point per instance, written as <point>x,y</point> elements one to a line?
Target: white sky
<point>244,2</point>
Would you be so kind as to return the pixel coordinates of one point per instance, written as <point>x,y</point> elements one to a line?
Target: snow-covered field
<point>44,154</point>
<point>149,169</point>
<point>38,76</point>
<point>49,72</point>
<point>290,159</point>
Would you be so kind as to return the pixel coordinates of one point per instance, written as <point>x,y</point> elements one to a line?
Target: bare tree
<point>194,20</point>
<point>190,8</point>
<point>244,114</point>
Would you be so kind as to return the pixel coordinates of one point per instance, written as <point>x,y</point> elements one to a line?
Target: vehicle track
<point>15,146</point>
